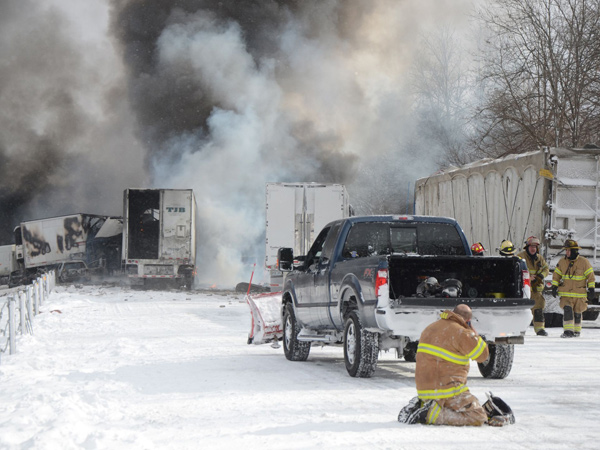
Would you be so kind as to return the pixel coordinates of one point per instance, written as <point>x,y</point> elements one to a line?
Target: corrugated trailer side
<point>491,199</point>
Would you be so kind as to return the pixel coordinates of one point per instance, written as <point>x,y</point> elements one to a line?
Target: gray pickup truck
<point>375,282</point>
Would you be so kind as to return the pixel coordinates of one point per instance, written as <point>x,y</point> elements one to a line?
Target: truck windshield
<point>378,238</point>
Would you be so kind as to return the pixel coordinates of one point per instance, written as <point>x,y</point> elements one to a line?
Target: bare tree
<point>440,82</point>
<point>541,75</point>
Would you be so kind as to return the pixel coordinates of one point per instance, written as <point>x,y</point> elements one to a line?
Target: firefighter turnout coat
<point>537,266</point>
<point>574,277</point>
<point>445,350</point>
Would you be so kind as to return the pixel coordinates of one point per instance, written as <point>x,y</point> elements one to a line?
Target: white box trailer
<point>159,236</point>
<point>551,193</point>
<point>294,213</point>
<point>8,262</point>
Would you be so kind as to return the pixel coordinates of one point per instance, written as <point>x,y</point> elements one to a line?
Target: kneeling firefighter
<point>538,270</point>
<point>446,348</point>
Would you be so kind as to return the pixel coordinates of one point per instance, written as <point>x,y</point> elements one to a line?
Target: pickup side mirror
<point>285,259</point>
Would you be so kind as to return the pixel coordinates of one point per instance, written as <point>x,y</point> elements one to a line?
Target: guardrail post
<point>42,291</point>
<point>29,304</point>
<point>38,288</point>
<point>12,341</point>
<point>36,306</point>
<point>22,312</point>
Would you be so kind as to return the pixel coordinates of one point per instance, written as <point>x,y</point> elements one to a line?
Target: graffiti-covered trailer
<point>45,242</point>
<point>159,236</point>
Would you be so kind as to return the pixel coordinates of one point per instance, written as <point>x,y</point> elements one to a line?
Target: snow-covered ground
<point>111,368</point>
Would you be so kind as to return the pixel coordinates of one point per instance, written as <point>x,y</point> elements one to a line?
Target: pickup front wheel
<point>361,348</point>
<point>293,349</point>
<point>500,361</point>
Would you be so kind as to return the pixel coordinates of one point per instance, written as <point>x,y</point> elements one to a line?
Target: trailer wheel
<point>499,362</point>
<point>361,348</point>
<point>293,349</point>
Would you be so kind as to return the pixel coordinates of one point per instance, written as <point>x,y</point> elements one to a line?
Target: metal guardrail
<point>18,309</point>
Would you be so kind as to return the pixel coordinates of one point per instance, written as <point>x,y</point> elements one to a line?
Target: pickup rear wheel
<point>293,349</point>
<point>500,361</point>
<point>410,351</point>
<point>361,348</point>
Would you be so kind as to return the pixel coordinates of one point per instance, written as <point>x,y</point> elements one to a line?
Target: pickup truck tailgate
<point>496,319</point>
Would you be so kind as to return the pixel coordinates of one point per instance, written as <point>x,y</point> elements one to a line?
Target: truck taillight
<point>381,280</point>
<point>526,279</point>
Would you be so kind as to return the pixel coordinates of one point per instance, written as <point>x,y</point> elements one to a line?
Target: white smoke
<point>281,119</point>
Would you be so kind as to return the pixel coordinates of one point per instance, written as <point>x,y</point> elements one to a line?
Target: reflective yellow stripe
<point>575,277</point>
<point>478,350</point>
<point>433,413</point>
<point>558,271</point>
<point>444,315</point>
<point>442,353</point>
<point>587,272</point>
<point>591,284</point>
<point>568,326</point>
<point>442,393</point>
<point>572,294</point>
<point>554,283</point>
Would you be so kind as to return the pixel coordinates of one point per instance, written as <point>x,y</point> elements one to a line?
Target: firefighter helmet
<point>451,288</point>
<point>532,240</point>
<point>477,249</point>
<point>507,248</point>
<point>571,244</point>
<point>428,288</point>
<point>498,412</point>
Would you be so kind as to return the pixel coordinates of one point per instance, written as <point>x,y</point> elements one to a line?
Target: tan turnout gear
<point>446,348</point>
<point>538,270</point>
<point>573,278</point>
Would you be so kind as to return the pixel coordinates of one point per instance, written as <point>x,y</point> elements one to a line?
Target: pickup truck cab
<point>362,286</point>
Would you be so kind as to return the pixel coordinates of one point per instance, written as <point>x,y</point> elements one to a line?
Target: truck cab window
<point>330,241</point>
<point>367,239</point>
<point>439,239</point>
<point>404,239</point>
<point>314,253</point>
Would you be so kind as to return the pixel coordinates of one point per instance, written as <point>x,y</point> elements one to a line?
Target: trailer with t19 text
<point>159,236</point>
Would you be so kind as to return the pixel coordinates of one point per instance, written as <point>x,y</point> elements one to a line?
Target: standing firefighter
<point>445,351</point>
<point>538,270</point>
<point>508,249</point>
<point>572,277</point>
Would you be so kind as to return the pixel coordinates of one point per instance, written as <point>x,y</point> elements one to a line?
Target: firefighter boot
<point>568,325</point>
<point>577,327</point>
<point>538,322</point>
<point>408,410</point>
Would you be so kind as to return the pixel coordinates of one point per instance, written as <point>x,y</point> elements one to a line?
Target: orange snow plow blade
<point>266,318</point>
